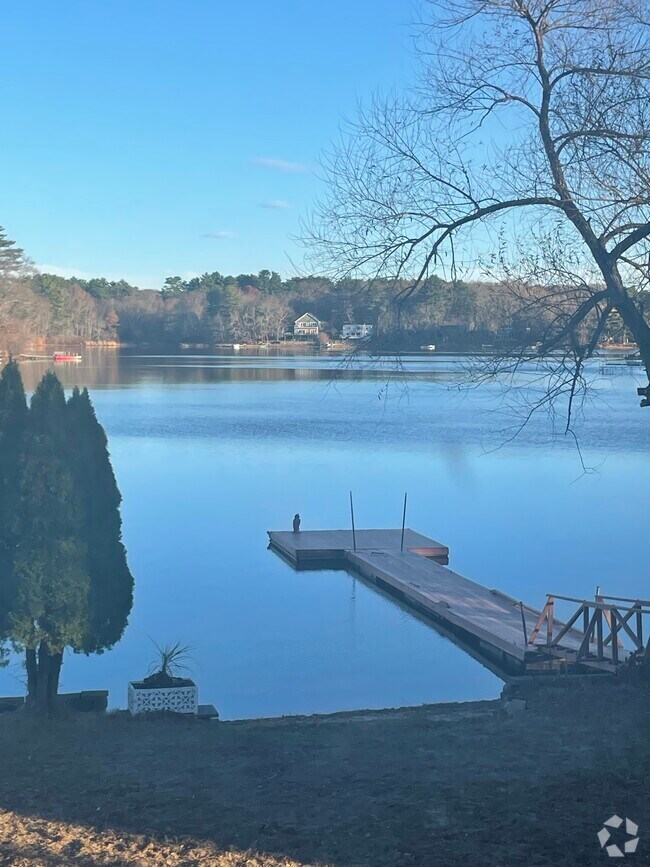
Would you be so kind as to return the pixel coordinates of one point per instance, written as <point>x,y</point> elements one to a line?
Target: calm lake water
<point>210,452</point>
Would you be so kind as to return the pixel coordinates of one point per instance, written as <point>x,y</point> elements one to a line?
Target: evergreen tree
<point>50,608</point>
<point>64,579</point>
<point>269,281</point>
<point>11,256</point>
<point>111,582</point>
<point>13,416</point>
<point>172,286</point>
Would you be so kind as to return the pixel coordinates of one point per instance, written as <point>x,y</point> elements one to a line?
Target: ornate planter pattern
<point>180,699</point>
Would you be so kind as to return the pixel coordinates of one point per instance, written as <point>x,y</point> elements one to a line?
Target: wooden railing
<point>605,622</point>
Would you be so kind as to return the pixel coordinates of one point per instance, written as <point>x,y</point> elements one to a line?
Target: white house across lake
<point>355,332</point>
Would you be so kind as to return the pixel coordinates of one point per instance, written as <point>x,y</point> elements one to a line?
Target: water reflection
<point>471,646</point>
<point>432,390</point>
<point>101,368</point>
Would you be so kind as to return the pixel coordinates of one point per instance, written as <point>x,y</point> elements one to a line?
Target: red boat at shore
<point>66,356</point>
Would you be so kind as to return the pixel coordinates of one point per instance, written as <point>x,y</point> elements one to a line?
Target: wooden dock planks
<point>419,577</point>
<point>314,545</point>
<point>491,617</point>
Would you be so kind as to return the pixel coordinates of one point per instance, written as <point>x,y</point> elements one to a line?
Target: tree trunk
<point>32,675</point>
<point>53,680</point>
<point>43,670</point>
<point>42,693</point>
<point>634,319</point>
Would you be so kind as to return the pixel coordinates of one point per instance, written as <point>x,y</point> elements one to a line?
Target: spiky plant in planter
<point>169,667</point>
<point>166,688</point>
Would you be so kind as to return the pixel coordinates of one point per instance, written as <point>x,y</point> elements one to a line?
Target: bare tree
<point>274,315</point>
<point>523,152</point>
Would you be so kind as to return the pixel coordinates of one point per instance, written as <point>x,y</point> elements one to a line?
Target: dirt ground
<point>437,785</point>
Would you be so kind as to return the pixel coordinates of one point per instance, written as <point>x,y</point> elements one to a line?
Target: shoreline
<point>306,348</point>
<point>347,350</point>
<point>442,709</point>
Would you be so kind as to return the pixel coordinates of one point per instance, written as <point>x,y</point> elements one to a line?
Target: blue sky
<point>145,139</point>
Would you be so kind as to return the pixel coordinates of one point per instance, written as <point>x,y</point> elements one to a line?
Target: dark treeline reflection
<point>102,368</point>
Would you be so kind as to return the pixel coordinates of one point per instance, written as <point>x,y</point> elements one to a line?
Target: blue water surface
<point>212,451</point>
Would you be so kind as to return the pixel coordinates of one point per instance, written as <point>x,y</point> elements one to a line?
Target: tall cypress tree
<point>64,577</point>
<point>111,582</point>
<point>13,417</point>
<point>50,608</point>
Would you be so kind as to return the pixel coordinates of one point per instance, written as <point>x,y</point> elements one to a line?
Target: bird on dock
<point>296,523</point>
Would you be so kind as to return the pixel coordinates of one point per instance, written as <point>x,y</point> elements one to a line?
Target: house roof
<point>306,316</point>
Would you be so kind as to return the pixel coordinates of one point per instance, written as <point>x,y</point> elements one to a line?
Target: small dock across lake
<point>509,636</point>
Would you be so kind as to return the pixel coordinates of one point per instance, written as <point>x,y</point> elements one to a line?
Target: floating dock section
<point>317,547</point>
<point>489,624</point>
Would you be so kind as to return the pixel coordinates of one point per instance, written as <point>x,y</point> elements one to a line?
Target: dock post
<point>354,535</point>
<point>403,524</point>
<point>523,623</point>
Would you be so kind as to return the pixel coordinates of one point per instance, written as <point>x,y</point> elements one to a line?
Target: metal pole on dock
<point>354,535</point>
<point>403,523</point>
<point>523,623</point>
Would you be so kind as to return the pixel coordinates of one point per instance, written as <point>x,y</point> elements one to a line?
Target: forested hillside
<point>216,308</point>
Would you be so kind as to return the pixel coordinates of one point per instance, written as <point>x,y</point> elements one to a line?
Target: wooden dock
<point>313,547</point>
<point>492,625</point>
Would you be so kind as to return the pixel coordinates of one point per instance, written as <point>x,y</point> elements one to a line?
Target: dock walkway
<point>489,621</point>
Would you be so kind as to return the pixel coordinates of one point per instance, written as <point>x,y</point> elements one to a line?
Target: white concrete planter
<point>179,699</point>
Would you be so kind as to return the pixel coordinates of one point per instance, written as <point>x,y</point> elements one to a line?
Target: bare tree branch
<point>535,112</point>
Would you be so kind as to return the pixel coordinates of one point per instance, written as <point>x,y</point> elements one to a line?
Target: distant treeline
<point>218,308</point>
